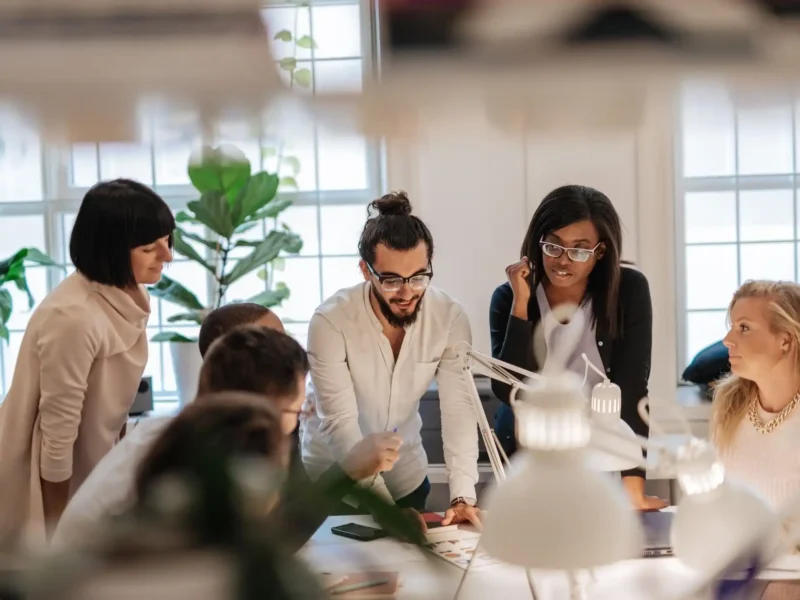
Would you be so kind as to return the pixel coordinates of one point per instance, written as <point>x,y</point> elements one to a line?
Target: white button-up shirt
<point>357,388</point>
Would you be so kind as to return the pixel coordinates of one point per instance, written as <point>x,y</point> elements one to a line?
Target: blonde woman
<point>756,422</point>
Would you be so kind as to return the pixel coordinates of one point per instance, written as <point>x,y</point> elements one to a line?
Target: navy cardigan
<point>626,358</point>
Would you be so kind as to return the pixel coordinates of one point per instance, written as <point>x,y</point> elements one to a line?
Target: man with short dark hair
<point>375,349</point>
<point>225,318</point>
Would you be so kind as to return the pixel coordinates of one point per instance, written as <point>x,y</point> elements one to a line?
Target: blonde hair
<point>733,395</point>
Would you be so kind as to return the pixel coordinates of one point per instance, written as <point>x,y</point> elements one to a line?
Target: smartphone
<point>362,533</point>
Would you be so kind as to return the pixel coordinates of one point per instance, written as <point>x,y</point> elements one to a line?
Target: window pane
<point>193,277</point>
<point>339,273</point>
<point>129,160</point>
<point>246,287</point>
<point>767,261</point>
<point>765,140</point>
<point>341,228</point>
<point>67,221</point>
<point>766,215</point>
<point>20,162</point>
<point>710,276</point>
<point>337,31</point>
<point>708,131</point>
<point>243,136</point>
<point>710,217</point>
<point>342,76</point>
<point>168,380</point>
<point>342,161</point>
<point>84,165</point>
<point>10,353</point>
<point>20,232</point>
<point>171,163</point>
<point>298,331</point>
<point>298,142</point>
<point>301,275</point>
<point>704,329</point>
<point>294,20</point>
<point>303,221</point>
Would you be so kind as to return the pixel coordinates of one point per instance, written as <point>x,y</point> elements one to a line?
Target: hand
<point>635,487</point>
<point>374,454</point>
<point>517,275</point>
<point>462,513</point>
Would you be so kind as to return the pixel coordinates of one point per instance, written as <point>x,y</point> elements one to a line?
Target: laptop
<point>657,526</point>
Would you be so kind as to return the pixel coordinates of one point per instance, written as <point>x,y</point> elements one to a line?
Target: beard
<point>393,319</point>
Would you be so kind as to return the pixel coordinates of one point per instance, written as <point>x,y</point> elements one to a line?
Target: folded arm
<point>459,422</point>
<point>335,396</point>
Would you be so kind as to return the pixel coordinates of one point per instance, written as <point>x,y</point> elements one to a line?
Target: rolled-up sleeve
<point>459,422</point>
<point>335,396</point>
<point>67,346</point>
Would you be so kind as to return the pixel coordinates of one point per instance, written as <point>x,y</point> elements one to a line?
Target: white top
<point>357,389</point>
<point>769,462</point>
<point>556,333</point>
<point>109,488</point>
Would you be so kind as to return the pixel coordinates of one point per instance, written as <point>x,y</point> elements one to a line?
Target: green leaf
<point>13,265</point>
<point>37,257</point>
<point>210,244</point>
<point>288,64</point>
<point>4,332</point>
<point>213,211</point>
<point>273,209</point>
<point>306,42</point>
<point>244,227</point>
<point>271,298</point>
<point>225,169</point>
<point>292,162</point>
<point>284,35</point>
<point>258,192</point>
<point>191,317</point>
<point>22,286</point>
<point>269,152</point>
<point>288,182</point>
<point>171,336</point>
<point>184,217</point>
<point>6,306</point>
<point>172,291</point>
<point>247,243</point>
<point>269,249</point>
<point>303,77</point>
<point>184,248</point>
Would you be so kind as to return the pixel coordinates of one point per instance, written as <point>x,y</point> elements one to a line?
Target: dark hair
<point>225,318</point>
<point>254,359</point>
<point>232,425</point>
<point>114,218</point>
<point>570,204</point>
<point>394,226</point>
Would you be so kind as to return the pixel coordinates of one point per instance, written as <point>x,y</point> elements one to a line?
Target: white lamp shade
<point>608,452</point>
<point>555,512</point>
<point>710,527</point>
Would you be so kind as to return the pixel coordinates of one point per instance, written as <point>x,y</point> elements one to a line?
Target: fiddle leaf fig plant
<point>12,270</point>
<point>233,200</point>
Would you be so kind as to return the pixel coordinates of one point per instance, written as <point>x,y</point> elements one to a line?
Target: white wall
<point>477,187</point>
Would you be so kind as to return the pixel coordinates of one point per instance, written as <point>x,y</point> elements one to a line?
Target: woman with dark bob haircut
<point>82,357</point>
<point>571,255</point>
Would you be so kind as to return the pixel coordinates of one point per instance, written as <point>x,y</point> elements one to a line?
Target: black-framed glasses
<point>580,255</point>
<point>393,283</point>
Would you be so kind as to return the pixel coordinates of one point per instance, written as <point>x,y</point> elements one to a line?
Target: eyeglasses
<point>580,255</point>
<point>393,283</point>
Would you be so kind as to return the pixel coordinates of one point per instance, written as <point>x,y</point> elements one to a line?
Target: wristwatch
<point>463,500</point>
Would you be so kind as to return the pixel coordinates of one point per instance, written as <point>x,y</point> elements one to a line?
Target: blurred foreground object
<point>545,65</point>
<point>83,70</point>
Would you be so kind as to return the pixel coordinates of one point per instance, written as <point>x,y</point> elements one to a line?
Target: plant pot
<point>186,362</point>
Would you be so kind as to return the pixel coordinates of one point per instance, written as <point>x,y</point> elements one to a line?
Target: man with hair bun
<point>375,348</point>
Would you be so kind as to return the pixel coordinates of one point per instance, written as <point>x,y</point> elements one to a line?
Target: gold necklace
<point>769,427</point>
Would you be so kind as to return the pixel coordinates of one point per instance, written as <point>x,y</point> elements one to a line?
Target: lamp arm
<point>665,456</point>
<point>593,367</point>
<point>502,368</point>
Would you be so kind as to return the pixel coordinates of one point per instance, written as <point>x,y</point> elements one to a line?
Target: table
<point>426,577</point>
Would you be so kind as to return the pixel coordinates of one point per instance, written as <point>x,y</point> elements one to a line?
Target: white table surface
<point>426,577</point>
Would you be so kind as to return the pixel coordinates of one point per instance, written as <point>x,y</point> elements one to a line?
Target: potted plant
<point>12,270</point>
<point>232,201</point>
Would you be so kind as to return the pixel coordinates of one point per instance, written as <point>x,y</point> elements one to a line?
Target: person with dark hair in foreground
<point>571,255</point>
<point>82,357</point>
<point>248,358</point>
<point>375,349</point>
<point>225,318</point>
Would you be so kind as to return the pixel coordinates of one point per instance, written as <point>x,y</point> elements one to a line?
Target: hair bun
<point>394,204</point>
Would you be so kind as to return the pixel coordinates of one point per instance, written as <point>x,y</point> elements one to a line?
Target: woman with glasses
<point>571,255</point>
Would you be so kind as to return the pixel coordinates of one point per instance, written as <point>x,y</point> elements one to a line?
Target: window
<point>41,187</point>
<point>737,202</point>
